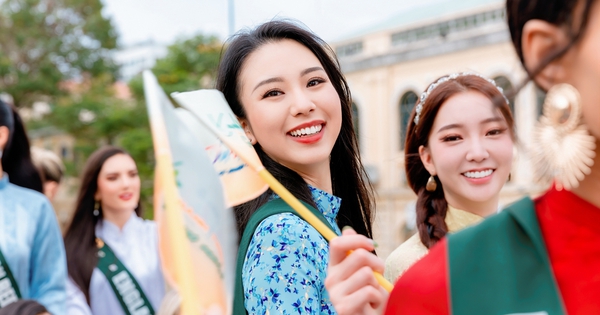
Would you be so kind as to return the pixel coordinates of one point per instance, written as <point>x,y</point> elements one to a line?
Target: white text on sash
<point>7,292</point>
<point>131,296</point>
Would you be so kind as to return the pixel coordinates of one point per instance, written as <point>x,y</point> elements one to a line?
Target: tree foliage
<point>95,117</point>
<point>60,52</point>
<point>190,64</point>
<point>45,42</point>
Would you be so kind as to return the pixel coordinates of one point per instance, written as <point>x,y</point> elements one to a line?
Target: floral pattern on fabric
<point>286,263</point>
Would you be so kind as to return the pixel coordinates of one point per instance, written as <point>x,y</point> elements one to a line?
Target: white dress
<point>136,246</point>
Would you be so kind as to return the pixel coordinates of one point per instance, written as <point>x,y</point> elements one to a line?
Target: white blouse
<point>136,246</point>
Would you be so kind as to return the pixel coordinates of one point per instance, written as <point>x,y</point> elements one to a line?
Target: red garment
<point>571,230</point>
<point>423,288</point>
<point>570,227</point>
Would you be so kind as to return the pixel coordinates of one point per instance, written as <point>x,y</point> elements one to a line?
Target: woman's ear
<point>248,130</point>
<point>427,160</point>
<point>539,40</point>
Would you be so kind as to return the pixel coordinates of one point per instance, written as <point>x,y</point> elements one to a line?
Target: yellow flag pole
<point>285,194</point>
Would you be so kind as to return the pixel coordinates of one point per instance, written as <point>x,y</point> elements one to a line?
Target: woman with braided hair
<point>538,256</point>
<point>458,155</point>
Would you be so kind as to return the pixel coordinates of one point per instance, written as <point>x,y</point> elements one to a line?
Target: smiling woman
<point>298,100</point>
<point>112,253</point>
<point>287,90</point>
<point>459,148</point>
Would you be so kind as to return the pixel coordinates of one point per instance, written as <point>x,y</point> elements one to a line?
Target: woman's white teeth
<point>480,174</point>
<point>308,131</point>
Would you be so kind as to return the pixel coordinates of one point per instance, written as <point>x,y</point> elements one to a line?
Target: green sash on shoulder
<point>126,288</point>
<point>273,207</point>
<point>501,266</point>
<point>9,289</point>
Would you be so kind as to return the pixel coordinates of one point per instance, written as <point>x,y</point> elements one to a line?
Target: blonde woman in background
<point>51,170</point>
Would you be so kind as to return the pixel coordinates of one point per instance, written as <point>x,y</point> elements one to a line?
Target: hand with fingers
<point>350,282</point>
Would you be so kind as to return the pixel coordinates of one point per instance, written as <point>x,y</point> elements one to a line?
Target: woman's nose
<point>301,104</point>
<point>477,151</point>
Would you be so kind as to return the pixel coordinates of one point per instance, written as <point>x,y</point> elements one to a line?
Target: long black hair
<point>80,237</point>
<point>16,155</point>
<point>349,179</point>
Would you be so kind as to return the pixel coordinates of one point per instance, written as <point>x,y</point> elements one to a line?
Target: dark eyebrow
<point>278,79</point>
<point>267,81</point>
<point>309,70</point>
<point>493,119</point>
<point>483,122</point>
<point>451,126</point>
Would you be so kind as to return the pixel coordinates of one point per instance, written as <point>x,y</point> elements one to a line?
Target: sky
<point>164,21</point>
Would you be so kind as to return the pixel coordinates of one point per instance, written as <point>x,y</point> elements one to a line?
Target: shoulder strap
<point>272,207</point>
<point>126,288</point>
<point>9,289</point>
<point>511,273</point>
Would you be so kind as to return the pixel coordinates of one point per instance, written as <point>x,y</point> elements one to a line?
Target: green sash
<point>126,288</point>
<point>275,206</point>
<point>9,289</point>
<point>501,266</point>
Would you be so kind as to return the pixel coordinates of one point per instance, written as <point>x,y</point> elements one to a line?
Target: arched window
<point>407,102</point>
<point>507,86</point>
<point>356,120</point>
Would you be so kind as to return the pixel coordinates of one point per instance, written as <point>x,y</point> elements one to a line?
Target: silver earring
<point>563,149</point>
<point>0,153</point>
<point>96,208</point>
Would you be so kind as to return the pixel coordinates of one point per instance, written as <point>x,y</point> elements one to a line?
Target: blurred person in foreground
<point>32,254</point>
<point>24,307</point>
<point>537,256</point>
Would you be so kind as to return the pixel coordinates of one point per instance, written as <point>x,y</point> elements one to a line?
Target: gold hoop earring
<point>563,149</point>
<point>431,184</point>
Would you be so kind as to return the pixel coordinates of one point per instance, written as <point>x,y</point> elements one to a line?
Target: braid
<point>431,213</point>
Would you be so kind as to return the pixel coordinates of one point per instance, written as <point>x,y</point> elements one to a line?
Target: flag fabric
<point>188,190</point>
<point>212,110</point>
<point>240,183</point>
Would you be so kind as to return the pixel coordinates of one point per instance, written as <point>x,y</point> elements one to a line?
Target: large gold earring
<point>562,148</point>
<point>431,184</point>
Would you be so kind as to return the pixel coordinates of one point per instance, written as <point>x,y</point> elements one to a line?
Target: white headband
<point>441,80</point>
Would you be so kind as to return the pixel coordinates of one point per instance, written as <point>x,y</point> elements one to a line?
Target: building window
<point>356,120</point>
<point>349,50</point>
<point>507,86</point>
<point>447,27</point>
<point>407,103</point>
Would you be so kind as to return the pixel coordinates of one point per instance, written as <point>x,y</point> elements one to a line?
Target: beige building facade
<point>387,68</point>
